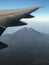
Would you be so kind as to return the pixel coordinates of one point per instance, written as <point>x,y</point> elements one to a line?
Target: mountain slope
<point>26,47</point>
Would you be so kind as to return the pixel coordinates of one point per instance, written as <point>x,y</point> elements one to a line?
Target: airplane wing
<point>12,17</point>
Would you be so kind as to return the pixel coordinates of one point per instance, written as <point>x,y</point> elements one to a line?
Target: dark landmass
<point>25,47</point>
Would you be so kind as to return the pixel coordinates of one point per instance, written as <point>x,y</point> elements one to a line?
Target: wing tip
<point>37,6</point>
<point>40,6</point>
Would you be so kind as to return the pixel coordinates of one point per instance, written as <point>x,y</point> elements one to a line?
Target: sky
<point>40,15</point>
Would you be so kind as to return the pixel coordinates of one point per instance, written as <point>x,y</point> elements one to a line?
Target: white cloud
<point>40,19</point>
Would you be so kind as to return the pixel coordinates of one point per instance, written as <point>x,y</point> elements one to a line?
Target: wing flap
<point>3,45</point>
<point>15,23</point>
<point>2,29</point>
<point>18,23</point>
<point>29,16</point>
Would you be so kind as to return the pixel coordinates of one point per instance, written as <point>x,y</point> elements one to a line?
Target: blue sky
<point>5,4</point>
<point>41,14</point>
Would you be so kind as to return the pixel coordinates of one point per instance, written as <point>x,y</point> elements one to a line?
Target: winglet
<point>38,7</point>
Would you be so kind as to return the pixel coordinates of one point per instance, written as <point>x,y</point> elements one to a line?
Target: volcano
<point>25,47</point>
